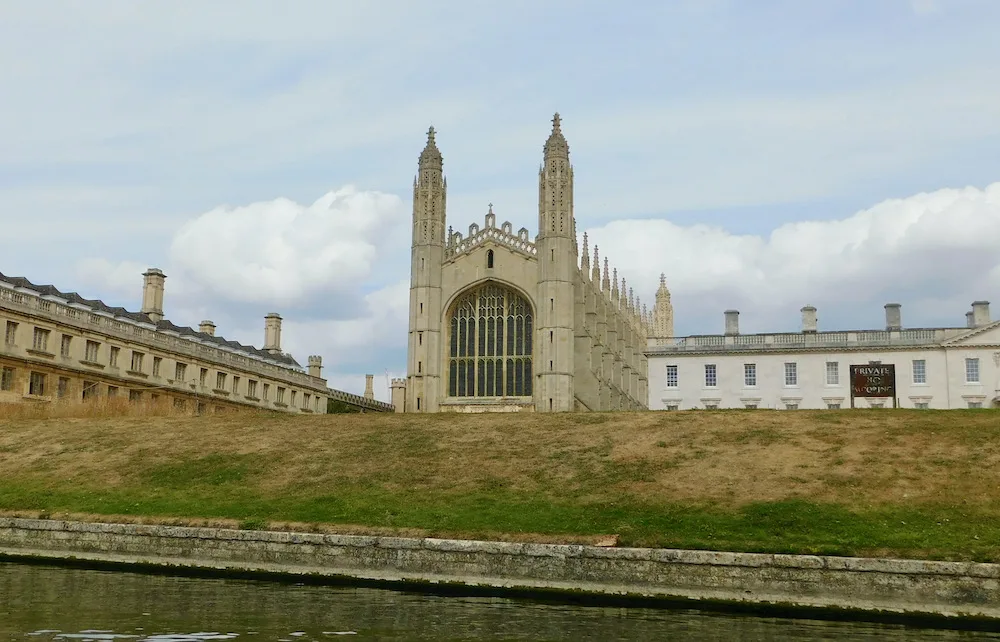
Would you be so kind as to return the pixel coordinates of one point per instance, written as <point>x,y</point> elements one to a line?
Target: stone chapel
<point>500,322</point>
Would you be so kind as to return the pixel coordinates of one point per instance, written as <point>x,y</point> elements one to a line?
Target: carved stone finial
<point>491,209</point>
<point>430,134</point>
<point>663,280</point>
<point>556,145</point>
<point>430,158</point>
<point>556,121</point>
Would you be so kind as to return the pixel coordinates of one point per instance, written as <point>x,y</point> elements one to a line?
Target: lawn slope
<point>922,484</point>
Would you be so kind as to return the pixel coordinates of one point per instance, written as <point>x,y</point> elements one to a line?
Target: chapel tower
<point>663,314</point>
<point>424,347</point>
<point>557,270</point>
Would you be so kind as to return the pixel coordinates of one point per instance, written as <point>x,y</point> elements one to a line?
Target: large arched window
<point>490,344</point>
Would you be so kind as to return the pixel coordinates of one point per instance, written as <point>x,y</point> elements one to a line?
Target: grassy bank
<point>919,484</point>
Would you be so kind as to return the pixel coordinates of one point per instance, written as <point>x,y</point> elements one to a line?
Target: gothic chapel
<point>501,323</point>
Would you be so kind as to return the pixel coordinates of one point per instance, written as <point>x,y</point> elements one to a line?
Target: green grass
<point>920,485</point>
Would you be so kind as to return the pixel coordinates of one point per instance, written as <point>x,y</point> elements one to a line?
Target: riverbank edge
<point>951,594</point>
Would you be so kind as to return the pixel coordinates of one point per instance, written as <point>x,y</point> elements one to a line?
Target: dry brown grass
<point>720,458</point>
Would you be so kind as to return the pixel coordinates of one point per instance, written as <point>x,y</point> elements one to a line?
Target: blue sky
<point>705,132</point>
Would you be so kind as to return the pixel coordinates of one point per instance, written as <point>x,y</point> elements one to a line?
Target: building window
<point>489,259</point>
<point>751,406</point>
<point>157,361</point>
<point>134,396</point>
<point>251,388</point>
<point>41,340</point>
<point>89,390</point>
<point>672,406</point>
<point>267,391</point>
<point>220,381</point>
<point>490,337</point>
<point>179,403</point>
<point>137,361</point>
<point>279,396</point>
<point>832,373</point>
<point>833,406</point>
<point>671,376</point>
<point>180,370</point>
<point>113,358</point>
<point>420,338</point>
<point>203,377</point>
<point>112,392</point>
<point>294,394</point>
<point>711,376</point>
<point>921,405</point>
<point>305,402</point>
<point>10,335</point>
<point>62,387</point>
<point>236,385</point>
<point>975,404</point>
<point>750,375</point>
<point>64,346</point>
<point>791,406</point>
<point>792,375</point>
<point>711,406</point>
<point>919,371</point>
<point>972,370</point>
<point>90,353</point>
<point>7,379</point>
<point>418,403</point>
<point>36,384</point>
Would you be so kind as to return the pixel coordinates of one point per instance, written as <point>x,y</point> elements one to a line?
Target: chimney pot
<point>809,323</point>
<point>207,327</point>
<point>980,313</point>
<point>732,323</point>
<point>893,316</point>
<point>970,321</point>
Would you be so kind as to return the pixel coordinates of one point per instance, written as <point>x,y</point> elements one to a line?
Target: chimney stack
<point>369,386</point>
<point>893,316</point>
<point>207,327</point>
<point>732,323</point>
<point>316,366</point>
<point>152,294</point>
<point>272,333</point>
<point>808,319</point>
<point>970,321</point>
<point>980,313</point>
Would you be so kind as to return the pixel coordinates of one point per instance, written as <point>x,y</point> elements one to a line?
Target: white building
<point>956,367</point>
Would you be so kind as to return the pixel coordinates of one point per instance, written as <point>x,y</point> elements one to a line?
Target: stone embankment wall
<point>786,581</point>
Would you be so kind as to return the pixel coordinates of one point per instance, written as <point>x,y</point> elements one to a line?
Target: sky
<point>764,155</point>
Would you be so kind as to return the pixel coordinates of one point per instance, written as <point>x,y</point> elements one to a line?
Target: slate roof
<point>140,317</point>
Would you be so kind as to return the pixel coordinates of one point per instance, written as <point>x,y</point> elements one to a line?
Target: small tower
<point>663,313</point>
<point>424,342</point>
<point>557,269</point>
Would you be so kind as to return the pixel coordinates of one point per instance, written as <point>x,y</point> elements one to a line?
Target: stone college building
<point>501,322</point>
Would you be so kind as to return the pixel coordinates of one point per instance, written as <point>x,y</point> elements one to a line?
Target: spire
<point>585,259</point>
<point>631,300</point>
<point>624,291</point>
<point>663,291</point>
<point>615,296</point>
<point>605,281</point>
<point>430,158</point>
<point>596,274</point>
<point>556,144</point>
<point>663,312</point>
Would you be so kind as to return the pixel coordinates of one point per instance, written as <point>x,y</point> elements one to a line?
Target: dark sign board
<point>874,380</point>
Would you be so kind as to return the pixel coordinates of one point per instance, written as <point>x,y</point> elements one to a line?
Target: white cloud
<point>280,252</point>
<point>931,247</point>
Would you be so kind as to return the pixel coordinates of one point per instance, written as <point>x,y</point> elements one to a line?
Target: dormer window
<point>489,259</point>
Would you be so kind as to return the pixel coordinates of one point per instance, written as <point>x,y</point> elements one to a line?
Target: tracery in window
<point>490,344</point>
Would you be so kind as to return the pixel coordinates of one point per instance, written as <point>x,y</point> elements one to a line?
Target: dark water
<point>48,604</point>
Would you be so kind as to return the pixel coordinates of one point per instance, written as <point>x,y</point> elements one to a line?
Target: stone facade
<point>60,346</point>
<point>502,322</point>
<point>956,367</point>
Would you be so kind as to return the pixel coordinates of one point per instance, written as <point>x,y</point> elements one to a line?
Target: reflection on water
<point>47,604</point>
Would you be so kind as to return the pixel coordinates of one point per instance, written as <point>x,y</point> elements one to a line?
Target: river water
<point>52,604</point>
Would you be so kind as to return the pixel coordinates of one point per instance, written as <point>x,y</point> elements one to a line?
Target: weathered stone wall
<point>896,586</point>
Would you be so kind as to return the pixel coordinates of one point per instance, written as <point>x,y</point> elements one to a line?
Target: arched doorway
<point>490,343</point>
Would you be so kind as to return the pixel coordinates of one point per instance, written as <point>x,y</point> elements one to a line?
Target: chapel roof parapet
<point>456,244</point>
